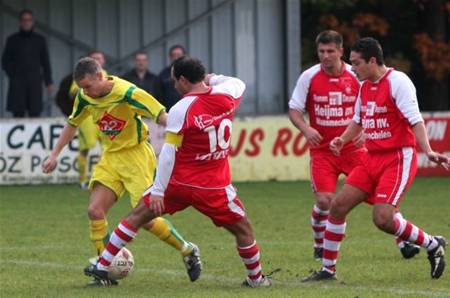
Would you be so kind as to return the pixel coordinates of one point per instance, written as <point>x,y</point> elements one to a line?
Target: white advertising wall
<point>262,149</point>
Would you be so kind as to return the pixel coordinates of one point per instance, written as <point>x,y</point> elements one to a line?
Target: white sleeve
<point>300,93</point>
<point>227,85</point>
<point>404,94</point>
<point>177,114</point>
<point>301,90</point>
<point>166,162</point>
<point>357,109</point>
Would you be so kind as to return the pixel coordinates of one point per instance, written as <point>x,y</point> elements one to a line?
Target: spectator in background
<point>26,62</point>
<point>141,76</point>
<point>168,95</point>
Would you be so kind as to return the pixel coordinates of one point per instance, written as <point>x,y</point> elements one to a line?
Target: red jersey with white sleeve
<point>387,109</point>
<point>329,102</point>
<point>205,121</point>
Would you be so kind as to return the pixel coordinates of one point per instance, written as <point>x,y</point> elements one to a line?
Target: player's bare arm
<point>67,135</point>
<point>312,135</point>
<point>352,131</point>
<point>422,138</point>
<point>359,140</point>
<point>162,119</point>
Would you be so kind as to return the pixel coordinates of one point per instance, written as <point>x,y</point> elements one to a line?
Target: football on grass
<point>122,265</point>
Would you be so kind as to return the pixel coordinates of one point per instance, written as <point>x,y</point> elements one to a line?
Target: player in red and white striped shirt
<point>327,92</point>
<point>388,113</point>
<point>193,168</point>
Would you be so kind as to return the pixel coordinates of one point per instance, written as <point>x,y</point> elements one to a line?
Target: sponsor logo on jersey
<point>110,125</point>
<point>205,120</point>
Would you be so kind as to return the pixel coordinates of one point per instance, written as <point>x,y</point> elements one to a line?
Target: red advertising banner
<point>438,128</point>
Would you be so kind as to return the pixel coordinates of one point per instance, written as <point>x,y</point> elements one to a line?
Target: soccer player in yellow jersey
<point>128,162</point>
<point>88,134</point>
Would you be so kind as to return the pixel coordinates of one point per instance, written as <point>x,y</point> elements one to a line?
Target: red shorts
<point>325,168</point>
<point>221,205</point>
<point>385,175</point>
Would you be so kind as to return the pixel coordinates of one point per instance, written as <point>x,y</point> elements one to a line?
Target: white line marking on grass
<point>227,281</point>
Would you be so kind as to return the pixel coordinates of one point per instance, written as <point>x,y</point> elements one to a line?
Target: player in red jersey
<point>327,92</point>
<point>388,113</point>
<point>193,167</point>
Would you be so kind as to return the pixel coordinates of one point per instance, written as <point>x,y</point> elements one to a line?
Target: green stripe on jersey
<point>133,102</point>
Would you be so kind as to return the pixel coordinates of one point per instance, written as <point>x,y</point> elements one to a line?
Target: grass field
<point>44,246</point>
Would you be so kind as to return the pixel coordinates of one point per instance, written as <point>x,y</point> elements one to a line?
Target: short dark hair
<point>140,53</point>
<point>190,68</point>
<point>177,46</point>
<point>24,12</point>
<point>329,36</point>
<point>96,52</point>
<point>369,47</point>
<point>85,66</point>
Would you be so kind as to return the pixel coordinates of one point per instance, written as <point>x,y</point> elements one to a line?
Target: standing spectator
<point>26,62</point>
<point>141,76</point>
<point>170,96</point>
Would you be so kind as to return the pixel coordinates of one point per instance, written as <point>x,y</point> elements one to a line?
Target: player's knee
<point>94,212</point>
<point>338,209</point>
<point>141,216</point>
<point>382,221</point>
<point>323,201</point>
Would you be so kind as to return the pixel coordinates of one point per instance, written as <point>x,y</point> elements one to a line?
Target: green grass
<point>44,246</point>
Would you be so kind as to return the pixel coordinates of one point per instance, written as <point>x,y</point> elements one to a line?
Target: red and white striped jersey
<point>205,121</point>
<point>328,100</point>
<point>387,109</point>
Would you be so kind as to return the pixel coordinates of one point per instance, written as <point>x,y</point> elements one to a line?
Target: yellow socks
<point>82,168</point>
<point>99,234</point>
<point>163,229</point>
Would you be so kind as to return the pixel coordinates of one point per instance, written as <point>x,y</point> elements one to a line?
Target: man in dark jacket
<point>141,76</point>
<point>26,62</point>
<point>169,96</point>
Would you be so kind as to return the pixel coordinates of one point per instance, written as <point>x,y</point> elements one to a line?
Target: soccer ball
<point>122,265</point>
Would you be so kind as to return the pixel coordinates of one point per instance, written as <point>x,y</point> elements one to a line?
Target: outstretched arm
<point>67,135</point>
<point>166,162</point>
<point>422,139</point>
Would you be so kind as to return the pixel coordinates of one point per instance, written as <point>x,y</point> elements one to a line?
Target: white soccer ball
<point>122,265</point>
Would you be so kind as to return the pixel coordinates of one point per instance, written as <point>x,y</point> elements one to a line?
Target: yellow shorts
<point>87,134</point>
<point>131,169</point>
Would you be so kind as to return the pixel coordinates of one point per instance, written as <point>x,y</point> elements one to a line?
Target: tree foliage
<point>414,36</point>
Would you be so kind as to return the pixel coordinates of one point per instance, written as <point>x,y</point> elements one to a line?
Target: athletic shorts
<point>385,175</point>
<point>221,205</point>
<point>325,168</point>
<point>87,134</point>
<point>131,170</point>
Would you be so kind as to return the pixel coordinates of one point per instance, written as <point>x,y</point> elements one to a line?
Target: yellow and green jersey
<point>118,114</point>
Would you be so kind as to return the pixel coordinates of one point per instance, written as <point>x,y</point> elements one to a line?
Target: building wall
<point>245,38</point>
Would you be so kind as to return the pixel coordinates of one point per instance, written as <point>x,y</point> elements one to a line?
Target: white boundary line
<point>225,280</point>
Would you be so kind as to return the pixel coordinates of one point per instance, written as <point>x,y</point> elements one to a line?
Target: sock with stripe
<point>407,231</point>
<point>251,258</point>
<point>121,236</point>
<point>99,234</point>
<point>333,236</point>
<point>400,243</point>
<point>165,231</point>
<point>319,219</point>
